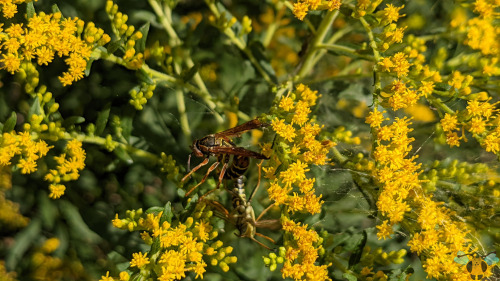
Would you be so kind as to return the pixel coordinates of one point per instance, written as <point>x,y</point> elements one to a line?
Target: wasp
<point>242,215</point>
<point>221,146</point>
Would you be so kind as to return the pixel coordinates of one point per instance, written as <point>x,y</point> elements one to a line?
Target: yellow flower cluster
<point>480,119</point>
<point>436,237</point>
<point>296,147</point>
<point>9,7</point>
<point>397,174</point>
<point>46,35</point>
<point>47,266</point>
<point>10,217</point>
<point>302,247</point>
<point>127,33</point>
<point>185,247</point>
<point>439,239</point>
<point>297,136</point>
<point>301,7</point>
<point>13,143</point>
<point>69,165</point>
<point>6,276</point>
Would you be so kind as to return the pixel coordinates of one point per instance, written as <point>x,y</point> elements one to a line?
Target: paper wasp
<point>242,215</point>
<point>220,145</point>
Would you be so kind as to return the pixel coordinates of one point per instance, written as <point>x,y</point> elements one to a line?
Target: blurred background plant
<point>382,137</point>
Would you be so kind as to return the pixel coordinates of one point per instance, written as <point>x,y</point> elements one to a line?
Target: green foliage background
<point>126,179</point>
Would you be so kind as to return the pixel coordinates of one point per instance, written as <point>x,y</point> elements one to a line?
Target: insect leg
<point>222,173</point>
<point>263,212</point>
<point>214,165</point>
<point>258,182</point>
<point>260,243</point>
<point>265,237</point>
<point>195,169</point>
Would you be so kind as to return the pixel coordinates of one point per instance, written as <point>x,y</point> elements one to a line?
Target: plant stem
<point>309,57</point>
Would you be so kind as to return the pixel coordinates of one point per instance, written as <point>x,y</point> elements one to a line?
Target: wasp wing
<point>240,129</point>
<point>269,224</point>
<point>238,151</point>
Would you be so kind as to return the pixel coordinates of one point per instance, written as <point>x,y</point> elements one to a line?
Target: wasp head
<point>196,150</point>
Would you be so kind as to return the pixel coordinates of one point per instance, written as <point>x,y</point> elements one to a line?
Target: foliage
<point>373,136</point>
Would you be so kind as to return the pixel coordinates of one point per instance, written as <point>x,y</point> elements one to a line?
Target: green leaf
<point>102,119</point>
<point>48,211</point>
<point>30,10</point>
<point>76,223</point>
<point>356,255</point>
<point>89,66</point>
<point>349,277</point>
<point>141,43</point>
<point>144,77</point>
<point>167,213</point>
<point>155,210</point>
<point>73,120</point>
<point>188,74</point>
<point>55,9</point>
<point>35,108</point>
<point>126,125</point>
<point>114,45</point>
<point>10,123</point>
<point>442,87</point>
<point>24,241</point>
<point>123,155</point>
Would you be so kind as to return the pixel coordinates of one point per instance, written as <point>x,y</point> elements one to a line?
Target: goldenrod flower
<point>139,260</point>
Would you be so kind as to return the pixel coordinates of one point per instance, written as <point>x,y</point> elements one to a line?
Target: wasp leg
<point>265,237</point>
<point>214,165</point>
<point>218,207</point>
<point>260,243</point>
<point>195,168</point>
<point>258,182</point>
<point>264,212</point>
<point>222,173</point>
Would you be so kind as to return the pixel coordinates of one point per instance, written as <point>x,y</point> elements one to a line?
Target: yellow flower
<point>384,230</point>
<point>375,118</point>
<point>300,10</point>
<point>286,103</point>
<point>295,172</point>
<point>452,139</point>
<point>477,125</point>
<point>139,260</point>
<point>391,13</point>
<point>56,190</point>
<point>449,122</point>
<point>492,143</point>
<point>301,113</point>
<point>107,277</point>
<point>287,131</point>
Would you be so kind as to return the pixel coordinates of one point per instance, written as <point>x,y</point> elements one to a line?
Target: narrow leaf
<point>30,10</point>
<point>10,123</point>
<point>24,241</point>
<point>102,119</point>
<point>76,222</point>
<point>141,43</point>
<point>123,155</point>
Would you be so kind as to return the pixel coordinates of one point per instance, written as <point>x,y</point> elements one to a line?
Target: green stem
<point>309,57</point>
<point>336,153</point>
<point>437,102</point>
<point>133,151</point>
<point>181,106</point>
<point>373,44</point>
<point>345,49</point>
